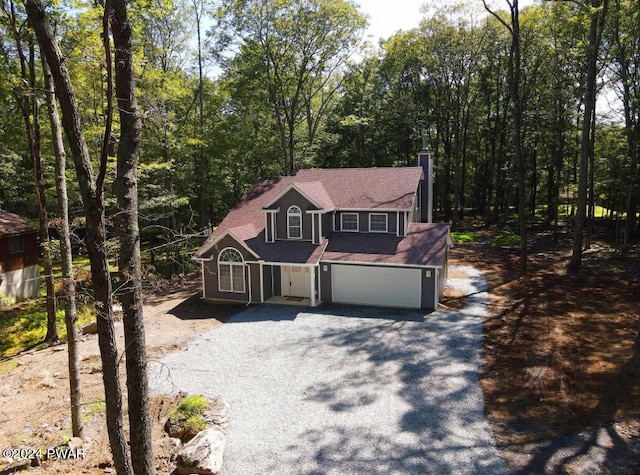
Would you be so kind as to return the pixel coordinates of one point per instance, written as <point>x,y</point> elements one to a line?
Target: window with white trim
<point>378,223</point>
<point>294,222</point>
<point>231,271</point>
<point>349,222</point>
<point>16,244</point>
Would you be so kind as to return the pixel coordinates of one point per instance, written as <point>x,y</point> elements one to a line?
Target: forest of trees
<point>171,109</point>
<point>240,89</point>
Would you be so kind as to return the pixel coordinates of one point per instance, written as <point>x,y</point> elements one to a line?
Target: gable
<point>293,197</point>
<point>224,240</point>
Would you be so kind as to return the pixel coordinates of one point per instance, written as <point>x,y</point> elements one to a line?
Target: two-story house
<point>355,236</point>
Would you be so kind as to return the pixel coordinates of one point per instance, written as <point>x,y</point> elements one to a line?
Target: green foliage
<point>194,424</point>
<point>7,366</point>
<point>191,406</point>
<point>5,302</point>
<point>93,408</point>
<point>506,238</point>
<point>188,416</point>
<point>460,237</point>
<point>23,325</point>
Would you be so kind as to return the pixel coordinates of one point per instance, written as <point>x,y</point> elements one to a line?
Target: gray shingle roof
<point>338,188</point>
<point>425,244</point>
<point>12,224</point>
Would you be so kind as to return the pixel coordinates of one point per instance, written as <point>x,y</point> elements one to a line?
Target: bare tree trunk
<point>68,283</point>
<point>516,99</point>
<point>595,35</point>
<point>93,202</point>
<point>126,188</point>
<point>626,66</point>
<point>28,103</point>
<point>202,159</point>
<point>591,204</point>
<point>43,218</point>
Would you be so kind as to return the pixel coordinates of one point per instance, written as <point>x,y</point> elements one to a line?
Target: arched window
<point>294,223</point>
<point>231,271</point>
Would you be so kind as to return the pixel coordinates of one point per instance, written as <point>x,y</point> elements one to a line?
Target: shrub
<point>506,238</point>
<point>457,236</point>
<point>187,418</point>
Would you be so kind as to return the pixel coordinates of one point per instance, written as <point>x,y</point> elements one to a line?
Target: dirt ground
<point>556,355</point>
<point>34,390</point>
<point>555,359</point>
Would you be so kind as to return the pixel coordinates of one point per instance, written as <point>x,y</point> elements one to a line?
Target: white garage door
<point>383,286</point>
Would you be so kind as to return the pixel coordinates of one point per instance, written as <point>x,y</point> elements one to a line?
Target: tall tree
<point>93,202</point>
<point>514,79</point>
<point>27,99</point>
<point>198,8</point>
<point>68,282</point>
<point>126,189</point>
<point>626,52</point>
<point>292,49</point>
<point>598,14</point>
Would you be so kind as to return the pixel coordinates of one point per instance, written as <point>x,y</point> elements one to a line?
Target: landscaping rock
<point>217,414</point>
<point>203,454</point>
<point>89,328</point>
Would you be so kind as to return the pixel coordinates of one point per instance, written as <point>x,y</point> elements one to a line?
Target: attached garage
<point>376,285</point>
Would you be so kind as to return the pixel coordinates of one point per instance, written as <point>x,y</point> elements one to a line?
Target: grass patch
<point>506,238</point>
<point>190,406</point>
<point>7,366</point>
<point>458,236</point>
<point>93,408</point>
<point>24,325</point>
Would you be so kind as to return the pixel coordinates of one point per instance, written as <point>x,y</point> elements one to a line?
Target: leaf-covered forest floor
<point>558,388</point>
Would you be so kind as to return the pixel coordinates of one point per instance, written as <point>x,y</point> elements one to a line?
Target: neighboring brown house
<point>356,236</point>
<point>19,254</point>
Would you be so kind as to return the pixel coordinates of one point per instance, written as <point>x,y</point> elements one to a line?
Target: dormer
<point>295,214</point>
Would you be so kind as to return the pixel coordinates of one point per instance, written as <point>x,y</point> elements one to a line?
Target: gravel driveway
<point>345,390</point>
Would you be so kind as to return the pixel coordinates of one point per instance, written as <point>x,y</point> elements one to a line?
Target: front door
<point>295,281</point>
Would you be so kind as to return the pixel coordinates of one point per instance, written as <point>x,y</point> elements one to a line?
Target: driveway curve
<point>346,390</point>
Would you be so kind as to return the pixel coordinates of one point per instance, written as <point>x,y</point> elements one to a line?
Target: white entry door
<point>295,281</point>
<point>382,286</point>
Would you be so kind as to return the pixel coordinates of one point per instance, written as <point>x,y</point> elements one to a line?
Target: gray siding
<point>325,282</point>
<point>211,273</point>
<point>327,224</point>
<point>255,283</point>
<point>211,285</point>
<point>428,289</point>
<point>268,231</point>
<point>363,220</point>
<point>267,281</point>
<point>292,197</point>
<point>277,281</point>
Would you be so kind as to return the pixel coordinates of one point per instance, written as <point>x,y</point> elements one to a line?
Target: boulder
<point>217,414</point>
<point>203,454</point>
<point>89,328</point>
